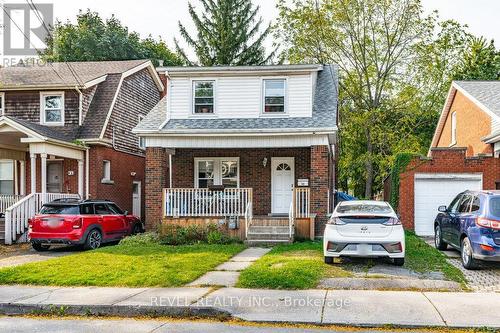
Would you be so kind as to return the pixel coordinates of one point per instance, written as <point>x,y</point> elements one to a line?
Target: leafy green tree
<point>228,33</point>
<point>93,39</point>
<point>480,62</point>
<point>391,58</point>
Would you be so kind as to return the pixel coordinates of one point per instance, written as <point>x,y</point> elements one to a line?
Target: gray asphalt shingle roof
<point>60,73</point>
<point>324,114</point>
<point>486,92</point>
<point>46,131</point>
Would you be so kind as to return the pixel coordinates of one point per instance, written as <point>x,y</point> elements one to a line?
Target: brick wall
<point>319,183</point>
<point>122,165</point>
<point>451,160</point>
<point>157,178</point>
<point>472,125</point>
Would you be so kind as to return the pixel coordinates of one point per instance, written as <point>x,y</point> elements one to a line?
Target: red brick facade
<point>310,163</point>
<point>451,160</point>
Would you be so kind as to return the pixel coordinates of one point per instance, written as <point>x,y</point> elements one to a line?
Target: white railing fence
<point>248,218</point>
<point>204,202</point>
<point>302,199</point>
<point>8,200</point>
<point>17,215</point>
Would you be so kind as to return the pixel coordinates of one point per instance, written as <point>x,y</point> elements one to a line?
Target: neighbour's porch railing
<point>302,202</point>
<point>7,200</point>
<point>17,215</point>
<point>204,202</point>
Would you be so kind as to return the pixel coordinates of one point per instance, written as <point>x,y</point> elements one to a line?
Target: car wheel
<point>137,229</point>
<point>40,247</point>
<point>329,260</point>
<point>399,261</point>
<point>468,260</point>
<point>93,240</point>
<point>438,239</point>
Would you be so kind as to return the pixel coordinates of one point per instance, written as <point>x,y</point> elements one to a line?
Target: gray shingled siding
<point>137,96</point>
<point>88,96</point>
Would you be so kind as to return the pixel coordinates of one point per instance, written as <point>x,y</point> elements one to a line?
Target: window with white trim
<point>453,128</point>
<point>2,103</point>
<point>274,96</point>
<point>106,171</point>
<point>142,140</point>
<point>6,177</point>
<point>217,171</point>
<point>203,97</point>
<point>52,108</point>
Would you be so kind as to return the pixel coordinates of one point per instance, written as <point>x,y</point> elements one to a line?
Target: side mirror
<point>442,209</point>
<point>125,213</point>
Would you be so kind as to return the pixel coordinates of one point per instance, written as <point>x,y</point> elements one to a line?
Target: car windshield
<point>60,210</point>
<point>364,208</point>
<point>494,205</point>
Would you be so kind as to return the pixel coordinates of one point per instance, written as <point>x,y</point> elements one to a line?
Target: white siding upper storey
<point>242,96</point>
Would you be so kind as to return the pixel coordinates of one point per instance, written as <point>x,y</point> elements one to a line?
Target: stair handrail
<point>11,215</point>
<point>291,218</point>
<point>248,218</point>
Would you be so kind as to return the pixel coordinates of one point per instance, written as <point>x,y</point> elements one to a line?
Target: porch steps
<point>269,230</point>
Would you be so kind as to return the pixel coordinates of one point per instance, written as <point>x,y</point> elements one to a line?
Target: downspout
<point>170,169</point>
<point>80,106</point>
<point>87,196</point>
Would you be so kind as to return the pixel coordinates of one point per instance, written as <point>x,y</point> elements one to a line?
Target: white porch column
<point>44,176</point>
<point>22,177</point>
<point>16,178</point>
<point>33,173</point>
<point>80,178</point>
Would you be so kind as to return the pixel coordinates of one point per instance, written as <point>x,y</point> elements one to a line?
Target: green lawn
<point>301,266</point>
<point>124,265</point>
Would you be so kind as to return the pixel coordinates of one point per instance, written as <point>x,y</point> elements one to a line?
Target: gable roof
<point>485,94</point>
<point>324,113</point>
<point>69,75</point>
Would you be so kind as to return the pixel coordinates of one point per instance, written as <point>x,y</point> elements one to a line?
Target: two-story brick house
<point>254,144</point>
<point>65,128</point>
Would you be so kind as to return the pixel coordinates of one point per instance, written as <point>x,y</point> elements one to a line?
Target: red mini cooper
<point>89,223</point>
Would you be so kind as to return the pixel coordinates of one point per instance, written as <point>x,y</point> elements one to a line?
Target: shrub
<point>147,238</point>
<point>171,234</point>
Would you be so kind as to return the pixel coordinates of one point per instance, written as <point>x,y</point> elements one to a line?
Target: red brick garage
<point>450,171</point>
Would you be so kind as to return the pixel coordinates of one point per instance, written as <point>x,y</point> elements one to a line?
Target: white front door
<point>136,199</point>
<point>282,180</point>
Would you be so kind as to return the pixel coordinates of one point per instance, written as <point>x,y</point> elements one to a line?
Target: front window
<point>106,171</point>
<point>6,177</point>
<point>274,96</point>
<point>217,171</point>
<point>2,103</point>
<point>203,95</point>
<point>52,108</point>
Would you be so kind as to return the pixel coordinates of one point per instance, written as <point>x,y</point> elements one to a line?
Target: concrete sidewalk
<point>346,307</point>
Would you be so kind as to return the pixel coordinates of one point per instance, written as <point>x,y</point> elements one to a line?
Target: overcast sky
<point>160,18</point>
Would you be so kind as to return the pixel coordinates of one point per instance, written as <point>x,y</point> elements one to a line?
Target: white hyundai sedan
<point>363,228</point>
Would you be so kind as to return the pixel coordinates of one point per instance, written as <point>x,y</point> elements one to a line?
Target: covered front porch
<point>34,169</point>
<point>258,194</point>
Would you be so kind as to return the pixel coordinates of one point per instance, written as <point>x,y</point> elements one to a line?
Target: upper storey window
<point>274,96</point>
<point>52,108</point>
<point>203,97</point>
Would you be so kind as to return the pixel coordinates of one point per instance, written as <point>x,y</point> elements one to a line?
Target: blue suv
<point>471,224</point>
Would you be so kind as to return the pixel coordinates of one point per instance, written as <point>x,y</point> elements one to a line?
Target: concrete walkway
<point>227,274</point>
<point>346,307</point>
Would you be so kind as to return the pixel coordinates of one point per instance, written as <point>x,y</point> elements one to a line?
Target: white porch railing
<point>291,219</point>
<point>204,202</point>
<point>302,202</point>
<point>248,218</point>
<point>8,200</point>
<point>17,215</point>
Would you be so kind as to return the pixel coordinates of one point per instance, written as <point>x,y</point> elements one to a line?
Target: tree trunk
<point>368,165</point>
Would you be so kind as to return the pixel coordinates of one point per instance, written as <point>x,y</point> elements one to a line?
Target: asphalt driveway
<point>19,254</point>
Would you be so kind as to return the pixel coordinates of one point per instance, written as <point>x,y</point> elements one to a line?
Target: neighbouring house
<point>249,147</point>
<point>65,130</point>
<point>463,155</point>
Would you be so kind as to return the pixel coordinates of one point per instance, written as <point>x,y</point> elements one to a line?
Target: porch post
<point>16,178</point>
<point>44,176</point>
<point>22,177</point>
<point>80,178</point>
<point>33,173</point>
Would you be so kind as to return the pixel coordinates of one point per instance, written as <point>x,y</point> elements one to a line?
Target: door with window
<point>282,181</point>
<point>136,198</point>
<point>54,177</point>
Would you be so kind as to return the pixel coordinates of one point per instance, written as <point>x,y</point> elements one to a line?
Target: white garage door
<point>434,190</point>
